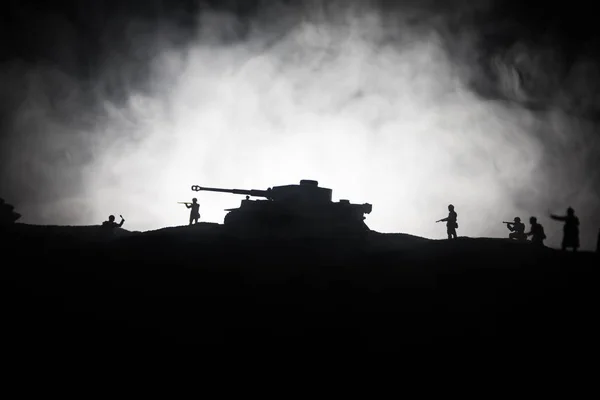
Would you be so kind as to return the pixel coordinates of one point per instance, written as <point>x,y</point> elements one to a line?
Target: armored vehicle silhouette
<point>298,210</point>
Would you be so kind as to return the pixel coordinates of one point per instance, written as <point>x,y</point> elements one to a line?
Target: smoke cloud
<point>401,110</point>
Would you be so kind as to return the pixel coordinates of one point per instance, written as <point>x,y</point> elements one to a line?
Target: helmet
<point>570,211</point>
<point>533,220</point>
<point>111,218</point>
<point>194,199</point>
<point>517,219</point>
<point>450,207</point>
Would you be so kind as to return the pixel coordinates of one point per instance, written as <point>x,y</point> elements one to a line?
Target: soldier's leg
<point>451,233</point>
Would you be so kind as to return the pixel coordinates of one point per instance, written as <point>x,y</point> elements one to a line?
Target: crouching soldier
<point>536,232</point>
<point>517,229</point>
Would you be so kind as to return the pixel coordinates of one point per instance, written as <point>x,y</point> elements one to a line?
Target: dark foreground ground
<point>70,291</point>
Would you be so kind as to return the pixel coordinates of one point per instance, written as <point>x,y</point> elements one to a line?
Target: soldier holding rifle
<point>517,229</point>
<point>195,210</point>
<point>451,223</point>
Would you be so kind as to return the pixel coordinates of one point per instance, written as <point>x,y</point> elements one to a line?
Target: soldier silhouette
<point>111,222</point>
<point>517,229</point>
<point>536,232</point>
<point>570,229</point>
<point>195,210</point>
<point>451,222</point>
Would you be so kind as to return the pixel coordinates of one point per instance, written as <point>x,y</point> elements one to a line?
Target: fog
<point>376,108</point>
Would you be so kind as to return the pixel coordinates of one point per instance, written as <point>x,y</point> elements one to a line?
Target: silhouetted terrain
<point>71,290</point>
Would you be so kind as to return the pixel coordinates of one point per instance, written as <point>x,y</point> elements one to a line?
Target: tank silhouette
<point>305,209</point>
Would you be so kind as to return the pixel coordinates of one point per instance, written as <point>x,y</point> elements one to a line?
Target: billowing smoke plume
<point>394,109</point>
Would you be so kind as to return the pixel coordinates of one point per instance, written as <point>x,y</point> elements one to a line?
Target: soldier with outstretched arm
<point>451,223</point>
<point>570,229</point>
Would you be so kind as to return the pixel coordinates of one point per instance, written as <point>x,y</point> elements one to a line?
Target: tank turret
<point>303,209</point>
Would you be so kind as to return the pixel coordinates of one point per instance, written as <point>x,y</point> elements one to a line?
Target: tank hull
<point>272,219</point>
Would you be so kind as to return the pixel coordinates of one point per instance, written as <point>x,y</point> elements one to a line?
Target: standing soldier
<point>536,232</point>
<point>451,223</point>
<point>570,229</point>
<point>195,210</point>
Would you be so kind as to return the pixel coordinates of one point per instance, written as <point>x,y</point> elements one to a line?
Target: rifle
<point>506,222</point>
<point>184,202</point>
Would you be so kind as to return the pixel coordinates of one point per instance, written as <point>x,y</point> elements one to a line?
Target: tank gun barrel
<point>251,192</point>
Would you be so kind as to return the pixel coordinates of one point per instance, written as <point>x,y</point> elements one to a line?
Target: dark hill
<point>75,288</point>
